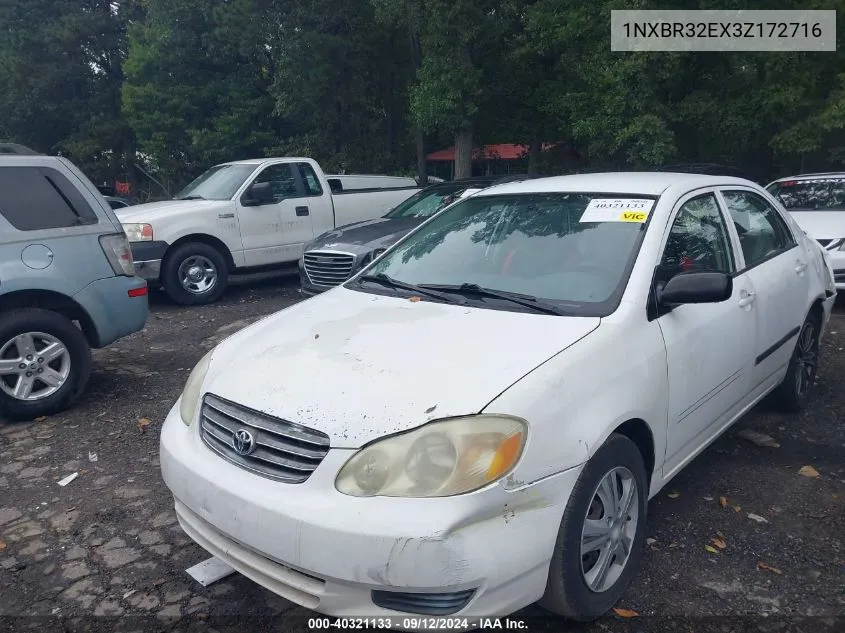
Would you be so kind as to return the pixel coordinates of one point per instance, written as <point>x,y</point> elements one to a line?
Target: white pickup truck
<point>247,215</point>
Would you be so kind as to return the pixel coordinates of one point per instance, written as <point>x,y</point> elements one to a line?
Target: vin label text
<point>729,30</point>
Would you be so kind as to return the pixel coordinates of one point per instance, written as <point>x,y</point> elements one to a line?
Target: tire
<point>791,396</point>
<point>567,590</point>
<point>195,274</point>
<point>70,371</point>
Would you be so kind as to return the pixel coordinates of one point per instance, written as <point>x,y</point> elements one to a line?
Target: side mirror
<point>696,287</point>
<point>259,194</point>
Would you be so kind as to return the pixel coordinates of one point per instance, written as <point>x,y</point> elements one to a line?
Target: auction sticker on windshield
<point>617,210</point>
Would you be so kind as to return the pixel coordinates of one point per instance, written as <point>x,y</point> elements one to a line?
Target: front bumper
<point>114,309</point>
<point>327,551</point>
<point>148,257</point>
<point>837,260</point>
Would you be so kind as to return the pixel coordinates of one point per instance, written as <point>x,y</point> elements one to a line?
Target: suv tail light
<point>116,248</point>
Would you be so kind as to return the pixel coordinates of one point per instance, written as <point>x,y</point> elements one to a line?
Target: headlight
<point>439,459</point>
<point>191,394</point>
<point>842,244</point>
<point>138,232</point>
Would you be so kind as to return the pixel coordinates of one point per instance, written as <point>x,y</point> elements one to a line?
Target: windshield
<point>218,183</point>
<point>817,194</point>
<point>573,249</point>
<point>427,202</point>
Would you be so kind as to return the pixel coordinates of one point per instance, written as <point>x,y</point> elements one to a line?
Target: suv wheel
<point>45,363</point>
<point>195,274</point>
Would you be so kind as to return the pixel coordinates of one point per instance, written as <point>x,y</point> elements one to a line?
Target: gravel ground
<point>740,541</point>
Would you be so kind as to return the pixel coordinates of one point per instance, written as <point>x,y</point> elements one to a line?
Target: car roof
<point>814,176</point>
<point>639,183</point>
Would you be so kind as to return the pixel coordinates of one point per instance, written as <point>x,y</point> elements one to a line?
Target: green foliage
<point>183,84</point>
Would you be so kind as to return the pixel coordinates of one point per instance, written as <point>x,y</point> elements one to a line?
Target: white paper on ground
<point>617,210</point>
<point>68,479</point>
<point>210,571</point>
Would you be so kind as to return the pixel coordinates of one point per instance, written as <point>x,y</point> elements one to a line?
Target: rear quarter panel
<point>367,205</point>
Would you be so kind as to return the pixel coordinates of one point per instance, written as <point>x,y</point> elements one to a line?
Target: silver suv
<point>67,282</point>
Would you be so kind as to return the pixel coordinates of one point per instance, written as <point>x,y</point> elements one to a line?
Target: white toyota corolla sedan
<point>477,420</point>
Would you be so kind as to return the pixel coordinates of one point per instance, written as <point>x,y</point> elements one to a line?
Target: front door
<point>777,267</point>
<point>274,233</point>
<point>709,347</point>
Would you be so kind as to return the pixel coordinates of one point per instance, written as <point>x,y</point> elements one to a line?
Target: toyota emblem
<point>243,442</point>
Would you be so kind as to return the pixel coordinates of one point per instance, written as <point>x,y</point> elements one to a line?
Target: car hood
<point>366,235</point>
<point>359,366</point>
<point>821,225</point>
<point>154,210</point>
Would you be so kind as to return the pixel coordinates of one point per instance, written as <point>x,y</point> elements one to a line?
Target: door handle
<point>747,299</point>
<point>800,267</point>
<point>300,211</point>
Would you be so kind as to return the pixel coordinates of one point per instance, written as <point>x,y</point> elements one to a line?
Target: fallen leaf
<point>808,471</point>
<point>41,418</point>
<point>711,549</point>
<point>763,566</point>
<point>143,423</point>
<point>760,439</point>
<point>650,541</point>
<point>720,543</point>
<point>673,545</point>
<point>737,508</point>
<point>674,495</point>
<point>757,517</point>
<point>723,501</point>
<point>625,613</point>
<point>708,498</point>
<point>3,545</point>
<point>414,299</point>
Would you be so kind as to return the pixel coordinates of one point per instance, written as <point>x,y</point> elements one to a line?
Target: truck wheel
<point>195,274</point>
<point>45,362</point>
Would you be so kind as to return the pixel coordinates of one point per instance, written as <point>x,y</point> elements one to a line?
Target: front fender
<point>575,400</point>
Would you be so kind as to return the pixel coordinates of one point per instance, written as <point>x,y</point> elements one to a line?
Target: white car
<point>477,420</point>
<point>817,202</point>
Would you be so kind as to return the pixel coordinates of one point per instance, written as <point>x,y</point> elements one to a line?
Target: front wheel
<point>195,274</point>
<point>793,394</point>
<point>601,535</point>
<point>45,362</point>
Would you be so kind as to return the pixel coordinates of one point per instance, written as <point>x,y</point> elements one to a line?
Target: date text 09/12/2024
<point>417,623</point>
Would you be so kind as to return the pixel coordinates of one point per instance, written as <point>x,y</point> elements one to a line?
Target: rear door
<point>317,200</point>
<point>275,233</point>
<point>777,267</point>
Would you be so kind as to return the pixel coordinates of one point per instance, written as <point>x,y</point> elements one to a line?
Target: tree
<point>197,85</point>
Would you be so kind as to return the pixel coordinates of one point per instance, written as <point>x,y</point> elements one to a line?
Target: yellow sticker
<point>633,216</point>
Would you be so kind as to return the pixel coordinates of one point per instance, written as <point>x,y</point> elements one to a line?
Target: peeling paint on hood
<point>359,366</point>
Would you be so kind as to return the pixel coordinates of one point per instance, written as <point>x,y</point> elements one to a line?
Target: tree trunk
<point>463,153</point>
<point>534,150</point>
<point>422,161</point>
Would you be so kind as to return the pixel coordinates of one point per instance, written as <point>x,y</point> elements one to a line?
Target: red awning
<point>502,151</point>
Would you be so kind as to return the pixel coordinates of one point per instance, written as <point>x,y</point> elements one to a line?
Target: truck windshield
<point>218,183</point>
<point>575,250</point>
<point>428,201</point>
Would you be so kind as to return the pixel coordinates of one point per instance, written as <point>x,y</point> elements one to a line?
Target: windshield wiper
<point>191,198</point>
<point>528,301</point>
<point>390,282</point>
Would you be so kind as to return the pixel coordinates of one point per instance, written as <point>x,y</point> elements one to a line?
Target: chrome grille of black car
<point>267,446</point>
<point>327,268</point>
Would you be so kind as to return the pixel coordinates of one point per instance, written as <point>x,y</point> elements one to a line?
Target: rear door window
<point>40,198</point>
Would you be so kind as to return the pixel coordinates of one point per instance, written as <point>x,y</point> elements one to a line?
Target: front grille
<point>422,603</point>
<point>839,276</point>
<point>328,269</point>
<point>260,443</point>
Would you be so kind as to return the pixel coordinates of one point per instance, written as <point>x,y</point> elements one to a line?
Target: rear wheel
<point>793,394</point>
<point>195,273</point>
<point>45,362</point>
<point>601,535</point>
